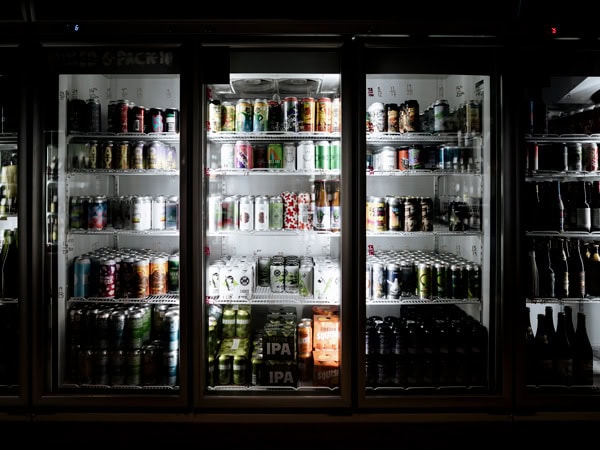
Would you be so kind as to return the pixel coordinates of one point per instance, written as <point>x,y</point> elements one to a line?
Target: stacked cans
<point>424,275</point>
<point>399,213</point>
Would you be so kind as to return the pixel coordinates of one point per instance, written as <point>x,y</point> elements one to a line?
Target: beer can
<point>243,158</point>
<point>158,275</point>
<point>275,212</point>
<point>323,115</point>
<point>289,156</point>
<point>277,277</point>
<point>238,375</point>
<point>305,155</point>
<point>243,116</point>
<point>170,367</point>
<point>172,213</point>
<point>133,365</point>
<point>225,369</point>
<point>228,116</point>
<point>159,212</point>
<point>575,156</point>
<point>322,155</point>
<point>106,278</point>
<point>306,277</point>
<point>393,117</point>
<point>304,214</point>
<point>172,120</point>
<point>93,115</point>
<point>261,213</point>
<point>290,114</point>
<point>440,285</point>
<point>121,116</point>
<point>260,156</point>
<point>137,156</point>
<point>308,114</point>
<point>117,329</point>
<point>304,337</point>
<point>77,217</point>
<point>121,156</point>
<point>97,213</point>
<point>149,365</point>
<point>157,120</point>
<point>393,278</point>
<point>260,115</point>
<point>229,207</point>
<point>246,216</point>
<point>376,214</point>
<point>214,116</point>
<point>590,156</point>
<point>291,275</point>
<point>395,213</point>
<point>117,365</point>
<point>264,263</point>
<point>441,113</point>
<point>412,114</point>
<point>106,159</point>
<point>81,276</point>
<point>424,280</point>
<point>228,322</point>
<point>141,210</point>
<point>473,281</point>
<point>136,124</point>
<point>403,162</point>
<point>101,367</point>
<point>215,213</point>
<point>336,115</point>
<point>93,154</point>
<point>305,367</point>
<point>141,278</point>
<point>274,120</point>
<point>378,280</point>
<point>415,157</point>
<point>275,155</point>
<point>171,328</point>
<point>412,216</point>
<point>377,121</point>
<point>227,156</point>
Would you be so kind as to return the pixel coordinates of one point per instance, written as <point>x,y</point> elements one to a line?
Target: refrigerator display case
<point>275,202</point>
<point>560,211</point>
<point>429,306</point>
<point>113,213</point>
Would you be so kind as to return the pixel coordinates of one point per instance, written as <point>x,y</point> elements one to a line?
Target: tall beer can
<point>227,156</point>
<point>336,115</point>
<point>308,114</point>
<point>243,155</point>
<point>323,108</point>
<point>289,156</point>
<point>590,156</point>
<point>322,155</point>
<point>214,116</point>
<point>290,114</point>
<point>260,115</point>
<point>244,119</point>
<point>227,116</point>
<point>246,213</point>
<point>305,155</point>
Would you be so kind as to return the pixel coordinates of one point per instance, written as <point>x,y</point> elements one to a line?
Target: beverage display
<point>560,225</point>
<point>273,268</point>
<point>114,253</point>
<point>427,300</point>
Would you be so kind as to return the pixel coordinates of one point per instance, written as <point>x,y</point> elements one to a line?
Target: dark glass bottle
<point>583,210</point>
<point>549,317</point>
<point>10,265</point>
<point>558,214</point>
<point>545,271</point>
<point>534,280</point>
<point>529,349</point>
<point>544,353</point>
<point>577,288</point>
<point>561,268</point>
<point>568,310</point>
<point>583,354</point>
<point>563,363</point>
<point>595,205</point>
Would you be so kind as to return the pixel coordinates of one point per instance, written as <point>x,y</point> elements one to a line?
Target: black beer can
<point>274,120</point>
<point>172,120</point>
<point>76,113</point>
<point>93,115</point>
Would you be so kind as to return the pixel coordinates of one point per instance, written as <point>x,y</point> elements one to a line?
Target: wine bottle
<point>534,288</point>
<point>576,271</point>
<point>568,310</point>
<point>595,205</point>
<point>549,323</point>
<point>563,363</point>
<point>544,354</point>
<point>583,354</point>
<point>583,210</point>
<point>561,269</point>
<point>545,271</point>
<point>558,211</point>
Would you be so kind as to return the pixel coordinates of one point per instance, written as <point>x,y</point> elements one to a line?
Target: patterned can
<point>136,124</point>
<point>323,155</point>
<point>308,114</point>
<point>137,155</point>
<point>171,329</point>
<point>336,115</point>
<point>106,159</point>
<point>121,156</point>
<point>141,278</point>
<point>243,327</point>
<point>395,213</point>
<point>93,155</point>
<point>323,114</point>
<point>214,116</point>
<point>275,212</point>
<point>304,213</point>
<point>424,280</point>
<point>260,115</point>
<point>227,116</point>
<point>243,158</point>
<point>243,116</point>
<point>275,155</point>
<point>277,279</point>
<point>426,213</point>
<point>291,274</point>
<point>590,156</point>
<point>335,151</point>
<point>290,210</point>
<point>305,155</point>
<point>412,219</point>
<point>227,156</point>
<point>159,212</point>
<point>304,336</point>
<point>393,278</point>
<point>157,120</point>
<point>81,276</point>
<point>246,217</point>
<point>378,280</point>
<point>415,157</point>
<point>376,214</point>
<point>290,114</point>
<point>172,120</point>
<point>289,156</point>
<point>158,275</point>
<point>261,213</point>
<point>106,278</point>
<point>97,213</point>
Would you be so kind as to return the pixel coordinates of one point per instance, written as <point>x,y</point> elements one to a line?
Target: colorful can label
<point>228,114</point>
<point>335,155</point>
<point>290,114</point>
<point>244,120</point>
<point>243,155</point>
<point>98,213</point>
<point>308,114</point>
<point>275,155</point>
<point>81,276</point>
<point>323,115</point>
<point>214,116</point>
<point>322,155</point>
<point>246,213</point>
<point>260,115</point>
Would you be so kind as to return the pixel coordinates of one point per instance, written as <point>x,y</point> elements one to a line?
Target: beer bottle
<point>549,323</point>
<point>323,208</point>
<point>534,290</point>
<point>583,210</point>
<point>561,269</point>
<point>568,310</point>
<point>544,353</point>
<point>558,215</point>
<point>529,349</point>
<point>593,272</point>
<point>583,355</point>
<point>546,273</point>
<point>576,271</point>
<point>563,352</point>
<point>595,205</point>
<point>336,213</point>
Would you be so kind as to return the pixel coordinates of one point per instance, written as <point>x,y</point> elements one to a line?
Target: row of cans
<point>307,155</point>
<point>409,274</point>
<point>399,213</point>
<point>117,154</point>
<point>126,273</point>
<point>126,212</point>
<point>151,365</point>
<point>292,114</point>
<point>562,157</point>
<point>429,157</point>
<point>285,211</point>
<point>242,277</point>
<point>120,326</point>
